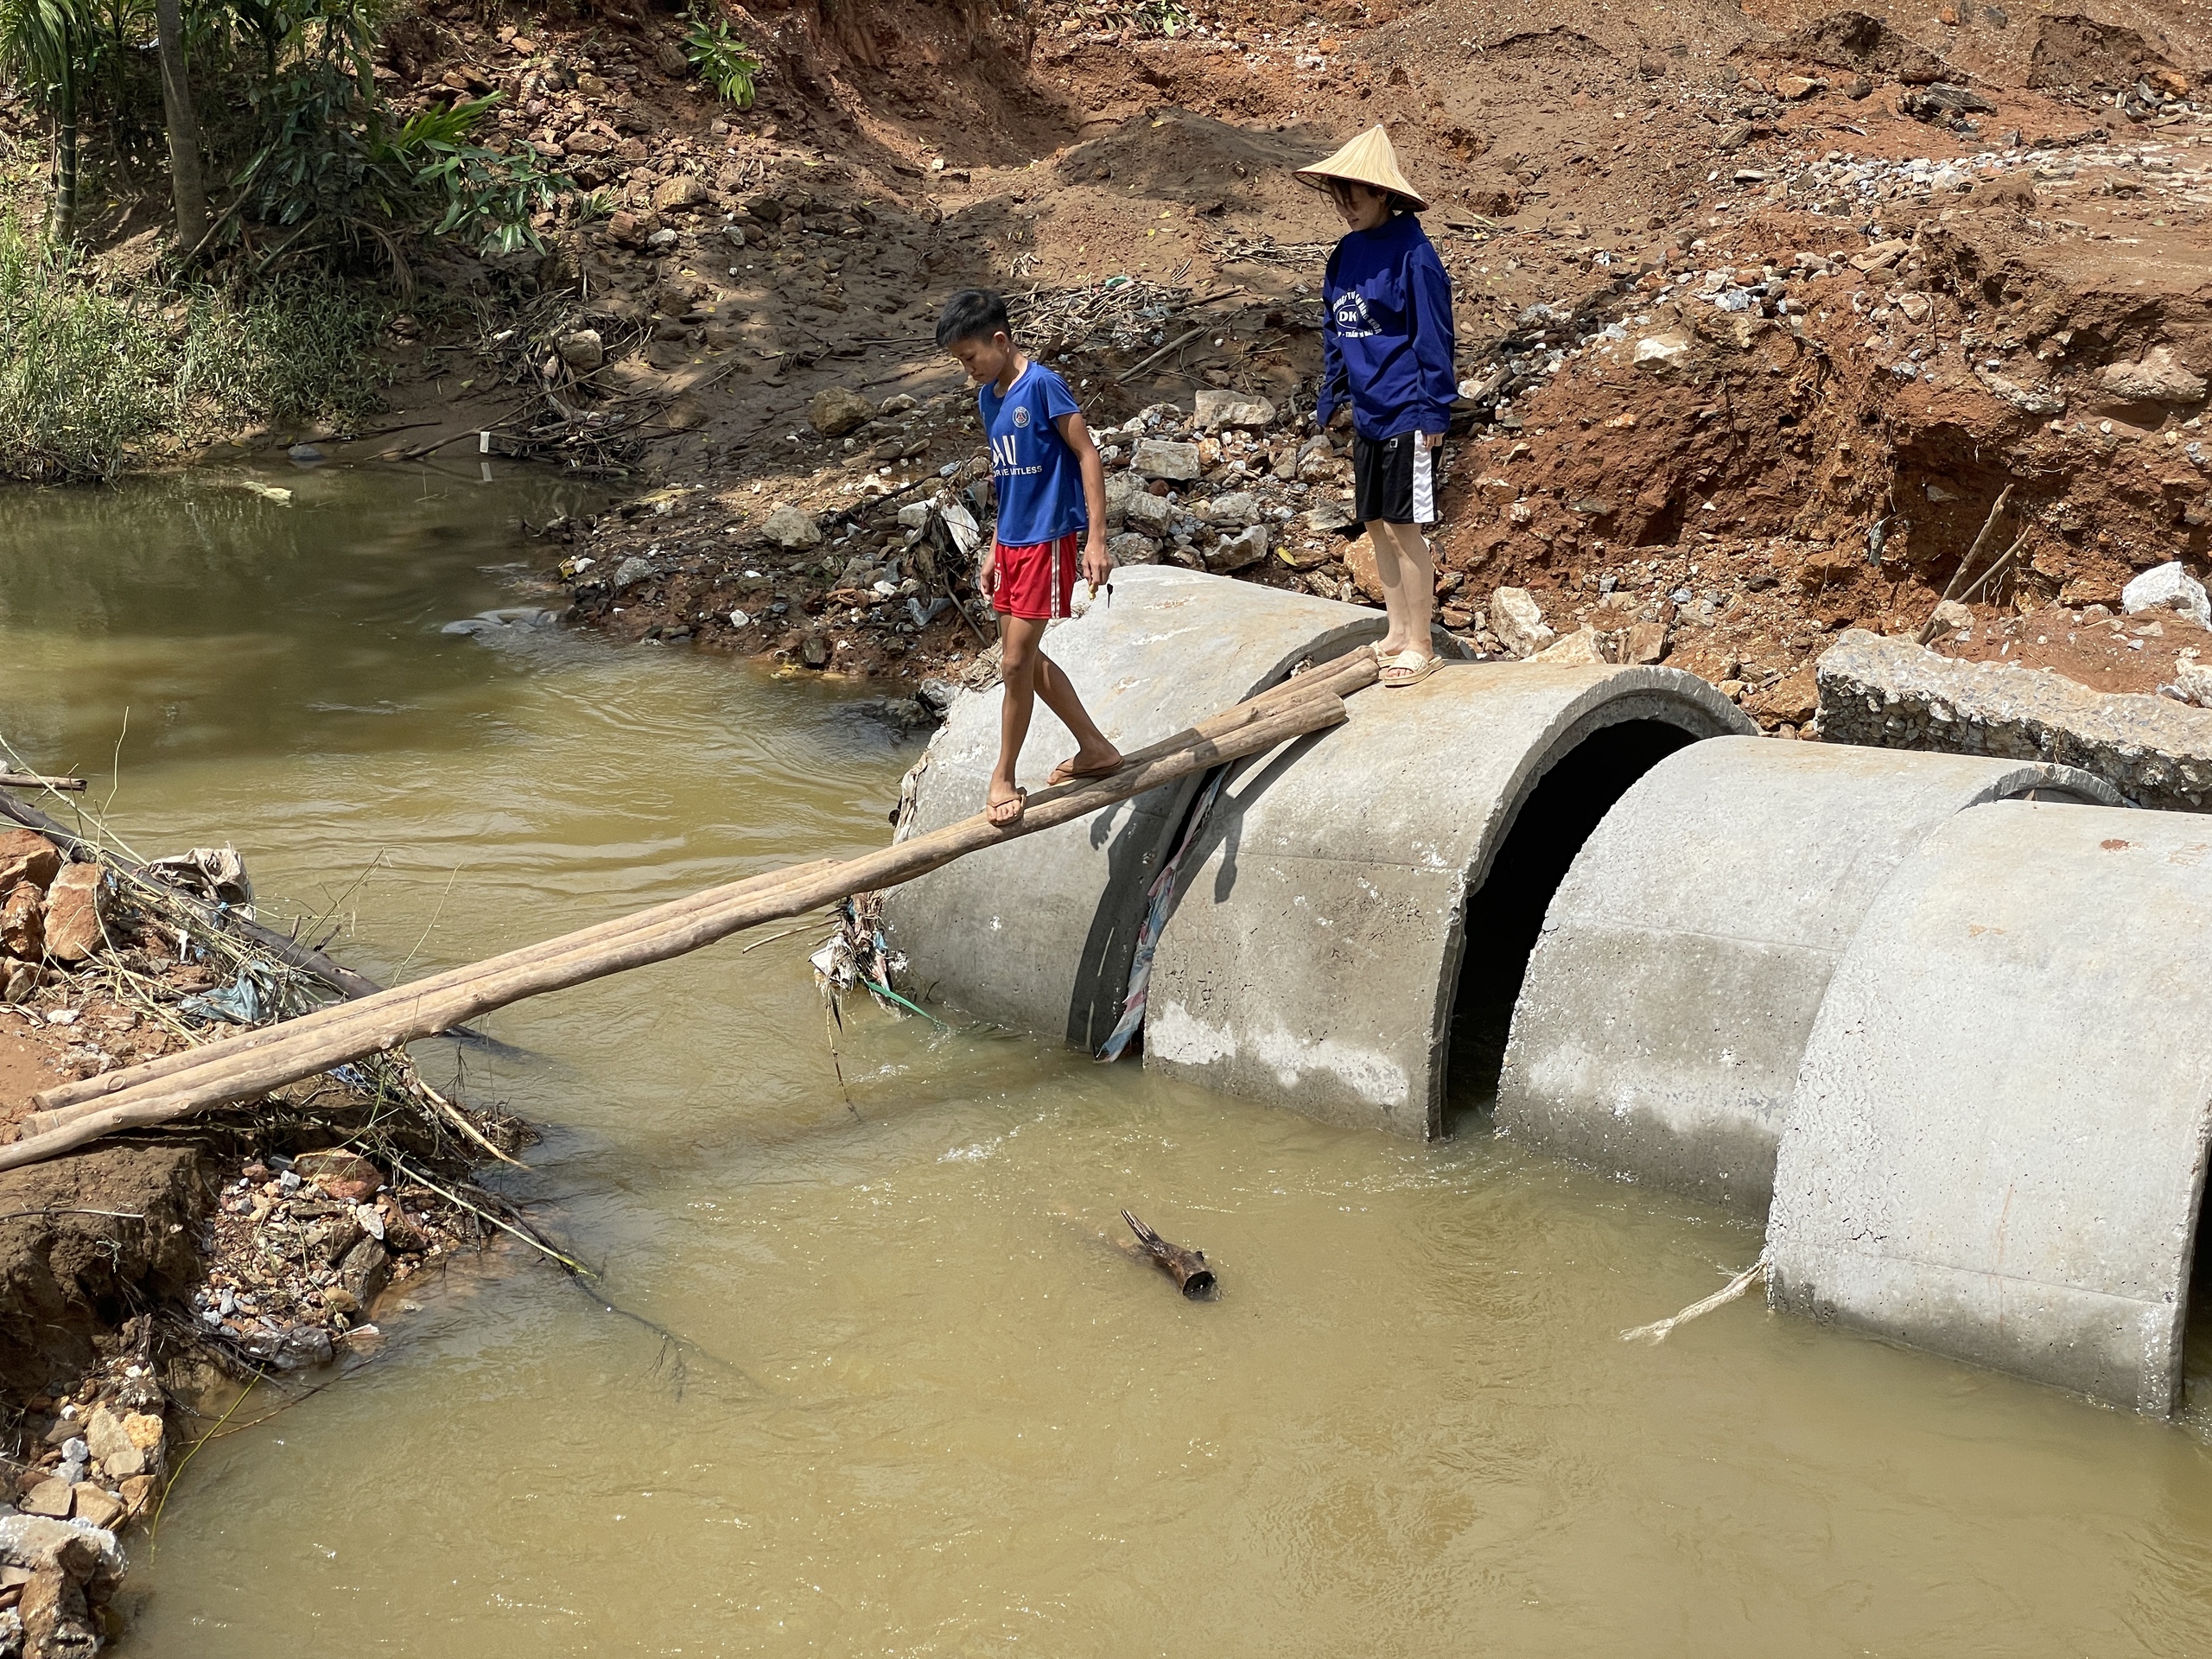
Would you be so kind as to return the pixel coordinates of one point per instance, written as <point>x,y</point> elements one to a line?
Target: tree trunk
<point>65,146</point>
<point>188,192</point>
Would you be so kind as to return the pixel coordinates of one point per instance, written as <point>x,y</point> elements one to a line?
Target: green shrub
<point>82,377</point>
<point>720,57</point>
<point>89,377</point>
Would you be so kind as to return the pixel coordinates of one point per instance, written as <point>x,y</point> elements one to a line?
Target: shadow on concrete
<point>1506,913</point>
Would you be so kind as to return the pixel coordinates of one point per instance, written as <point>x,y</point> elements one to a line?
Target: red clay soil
<point>1580,162</point>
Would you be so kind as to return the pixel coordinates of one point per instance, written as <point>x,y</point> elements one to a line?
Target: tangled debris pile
<point>142,1284</point>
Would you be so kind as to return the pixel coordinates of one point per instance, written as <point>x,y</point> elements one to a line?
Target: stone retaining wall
<point>1892,693</point>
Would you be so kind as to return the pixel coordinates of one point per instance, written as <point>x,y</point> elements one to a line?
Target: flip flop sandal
<point>1411,667</point>
<point>1068,772</point>
<point>1020,804</point>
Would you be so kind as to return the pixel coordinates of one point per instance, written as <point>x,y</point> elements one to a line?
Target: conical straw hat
<point>1367,159</point>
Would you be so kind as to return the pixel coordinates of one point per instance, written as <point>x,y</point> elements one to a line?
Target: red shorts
<point>1036,582</point>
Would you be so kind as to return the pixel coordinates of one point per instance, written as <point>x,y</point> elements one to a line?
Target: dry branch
<point>1988,525</point>
<point>338,977</point>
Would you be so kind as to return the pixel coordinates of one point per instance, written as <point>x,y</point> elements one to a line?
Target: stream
<point>918,1403</point>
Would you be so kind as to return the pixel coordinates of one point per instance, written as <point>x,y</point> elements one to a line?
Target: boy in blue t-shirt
<point>1052,490</point>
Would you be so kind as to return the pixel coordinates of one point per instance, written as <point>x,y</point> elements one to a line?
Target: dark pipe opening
<point>2196,1327</point>
<point>1505,914</point>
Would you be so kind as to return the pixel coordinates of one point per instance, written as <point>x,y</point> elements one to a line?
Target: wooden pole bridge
<point>251,1064</point>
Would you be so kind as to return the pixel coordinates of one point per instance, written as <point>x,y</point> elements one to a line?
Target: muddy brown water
<point>924,1406</point>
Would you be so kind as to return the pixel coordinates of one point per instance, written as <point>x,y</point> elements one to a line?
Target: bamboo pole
<point>1339,676</point>
<point>64,1095</point>
<point>316,1042</point>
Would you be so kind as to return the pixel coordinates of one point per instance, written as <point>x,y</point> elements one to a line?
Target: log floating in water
<point>38,780</point>
<point>1187,1268</point>
<point>179,1085</point>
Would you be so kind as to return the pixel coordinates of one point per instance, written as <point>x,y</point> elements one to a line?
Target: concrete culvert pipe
<point>1038,934</point>
<point>1997,1146</point>
<point>1669,1000</point>
<point>1314,953</point>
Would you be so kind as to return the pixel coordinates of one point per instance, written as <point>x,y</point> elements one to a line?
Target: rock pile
<point>58,1577</point>
<point>1220,486</point>
<point>50,911</point>
<point>304,1246</point>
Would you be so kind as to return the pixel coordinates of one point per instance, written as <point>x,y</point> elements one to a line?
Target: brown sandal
<point>1068,772</point>
<point>1020,804</point>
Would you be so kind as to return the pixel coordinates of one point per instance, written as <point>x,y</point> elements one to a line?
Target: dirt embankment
<point>1758,312</point>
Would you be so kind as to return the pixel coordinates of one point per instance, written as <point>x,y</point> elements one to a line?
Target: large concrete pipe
<point>1315,949</point>
<point>1038,934</point>
<point>1997,1146</point>
<point>1669,1000</point>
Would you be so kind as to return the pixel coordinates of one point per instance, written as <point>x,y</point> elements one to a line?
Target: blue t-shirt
<point>1039,482</point>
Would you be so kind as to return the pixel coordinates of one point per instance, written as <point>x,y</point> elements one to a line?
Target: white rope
<point>1728,1293</point>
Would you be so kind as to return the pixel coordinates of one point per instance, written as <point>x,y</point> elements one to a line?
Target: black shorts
<point>1393,480</point>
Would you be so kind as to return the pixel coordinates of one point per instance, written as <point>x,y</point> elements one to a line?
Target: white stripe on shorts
<point>1424,481</point>
<point>1053,604</point>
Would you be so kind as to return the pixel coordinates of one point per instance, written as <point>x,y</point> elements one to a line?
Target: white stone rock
<point>1950,618</point>
<point>1518,622</point>
<point>2167,587</point>
<point>1149,514</point>
<point>789,529</point>
<point>1159,458</point>
<point>2156,377</point>
<point>1581,646</point>
<point>1234,510</point>
<point>914,514</point>
<point>1662,353</point>
<point>1217,410</point>
<point>1247,546</point>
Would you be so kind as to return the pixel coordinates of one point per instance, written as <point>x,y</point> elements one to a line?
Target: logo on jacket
<point>1021,416</point>
<point>1352,316</point>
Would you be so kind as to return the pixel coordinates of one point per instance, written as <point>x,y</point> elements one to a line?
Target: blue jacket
<point>1386,332</point>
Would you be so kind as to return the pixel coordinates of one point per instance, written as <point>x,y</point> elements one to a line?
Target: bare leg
<point>1030,674</point>
<point>1092,752</point>
<point>1018,660</point>
<point>1402,565</point>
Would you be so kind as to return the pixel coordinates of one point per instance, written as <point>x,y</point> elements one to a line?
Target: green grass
<point>81,379</point>
<point>92,384</point>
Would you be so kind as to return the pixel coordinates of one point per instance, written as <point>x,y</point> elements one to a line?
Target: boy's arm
<point>1097,566</point>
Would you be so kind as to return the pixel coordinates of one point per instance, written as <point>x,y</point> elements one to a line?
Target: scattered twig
<point>1974,552</point>
<point>1658,1331</point>
<point>1146,362</point>
<point>1997,568</point>
<point>71,1210</point>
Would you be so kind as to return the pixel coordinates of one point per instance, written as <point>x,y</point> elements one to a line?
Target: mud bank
<point>147,1284</point>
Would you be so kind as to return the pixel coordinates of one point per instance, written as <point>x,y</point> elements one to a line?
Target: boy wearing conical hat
<point>1386,345</point>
